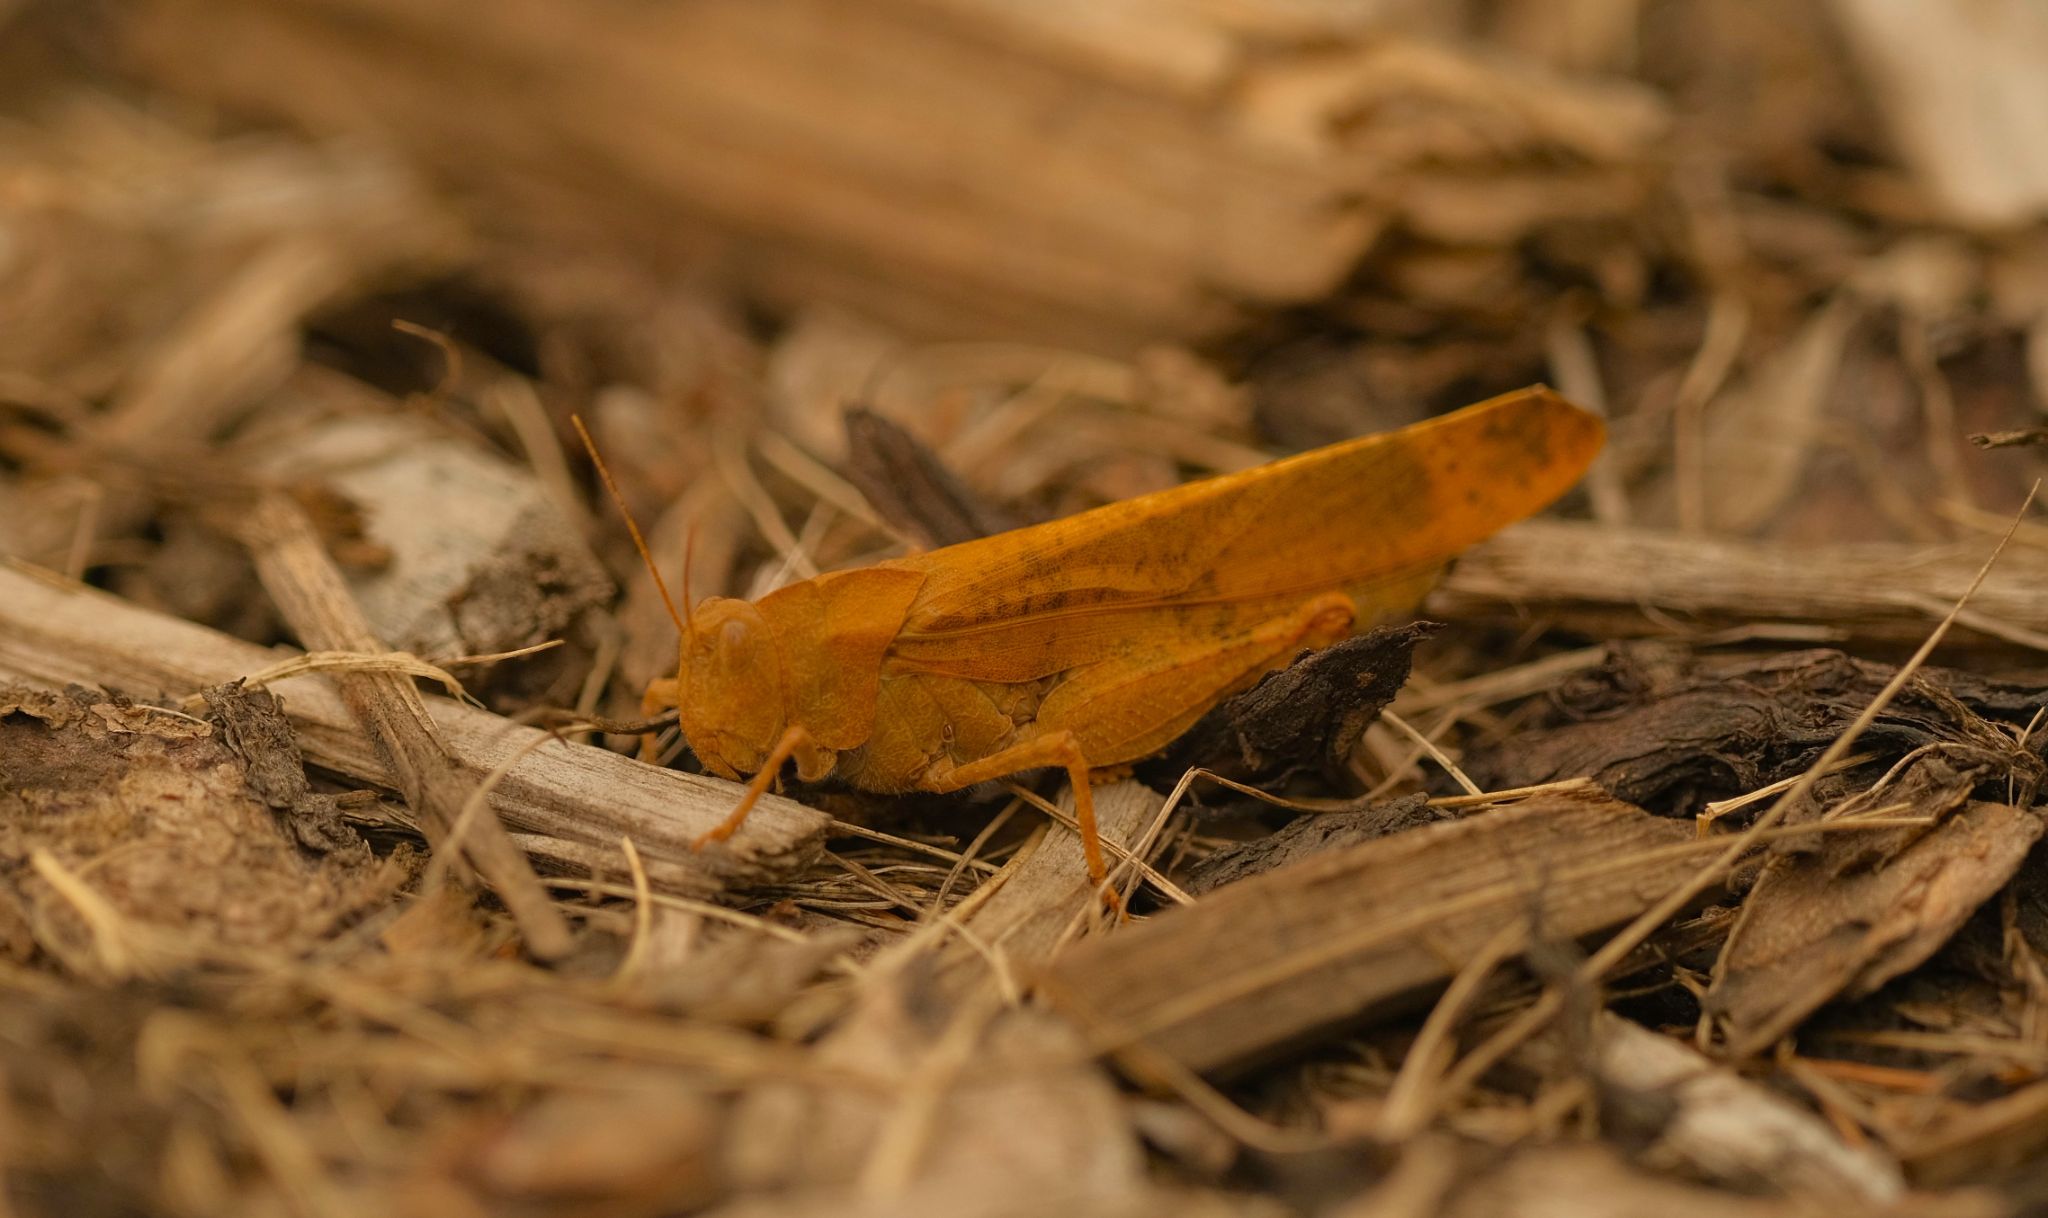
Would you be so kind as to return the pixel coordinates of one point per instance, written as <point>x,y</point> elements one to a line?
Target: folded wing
<point>1375,517</point>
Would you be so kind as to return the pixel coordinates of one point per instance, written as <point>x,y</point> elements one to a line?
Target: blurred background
<point>1077,251</point>
<point>1083,249</point>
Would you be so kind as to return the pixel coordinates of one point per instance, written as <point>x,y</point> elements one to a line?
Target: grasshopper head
<point>729,687</point>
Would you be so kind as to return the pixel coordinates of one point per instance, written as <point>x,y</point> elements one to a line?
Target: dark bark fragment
<point>1305,717</point>
<point>1672,732</point>
<point>909,487</point>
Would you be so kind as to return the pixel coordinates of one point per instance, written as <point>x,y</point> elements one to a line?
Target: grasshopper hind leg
<point>1062,750</point>
<point>1131,706</point>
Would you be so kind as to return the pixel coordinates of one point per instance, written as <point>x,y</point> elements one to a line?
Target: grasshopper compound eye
<point>731,707</point>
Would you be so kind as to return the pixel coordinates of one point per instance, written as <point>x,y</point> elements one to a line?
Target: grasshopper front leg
<point>662,694</point>
<point>794,737</point>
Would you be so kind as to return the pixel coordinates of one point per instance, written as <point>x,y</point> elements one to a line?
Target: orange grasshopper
<point>1091,642</point>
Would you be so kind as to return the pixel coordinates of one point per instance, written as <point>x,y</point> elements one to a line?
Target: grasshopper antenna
<point>689,561</point>
<point>684,623</point>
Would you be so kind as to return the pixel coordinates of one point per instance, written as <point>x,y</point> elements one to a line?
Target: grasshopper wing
<point>1374,517</point>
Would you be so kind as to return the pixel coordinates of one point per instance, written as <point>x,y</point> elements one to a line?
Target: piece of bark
<point>1811,932</point>
<point>1605,582</point>
<point>909,487</point>
<point>167,824</point>
<point>1361,933</point>
<point>1307,716</point>
<point>1671,732</point>
<point>252,724</point>
<point>54,632</point>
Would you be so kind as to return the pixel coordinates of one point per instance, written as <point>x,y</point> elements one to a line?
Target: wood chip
<point>310,592</point>
<point>480,558</point>
<point>1602,582</point>
<point>1692,1115</point>
<point>1810,933</point>
<point>1366,931</point>
<point>1961,89</point>
<point>1306,717</point>
<point>911,488</point>
<point>54,632</point>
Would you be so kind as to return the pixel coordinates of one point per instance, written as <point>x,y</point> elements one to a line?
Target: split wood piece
<point>1094,175</point>
<point>1043,893</point>
<point>1667,728</point>
<point>1594,1180</point>
<point>911,488</point>
<point>480,557</point>
<point>1701,1119</point>
<point>906,1096</point>
<point>1602,581</point>
<point>54,632</point>
<point>1815,929</point>
<point>1961,92</point>
<point>1363,932</point>
<point>311,593</point>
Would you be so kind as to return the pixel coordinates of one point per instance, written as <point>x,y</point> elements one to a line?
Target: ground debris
<point>1305,836</point>
<point>135,840</point>
<point>252,724</point>
<point>366,260</point>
